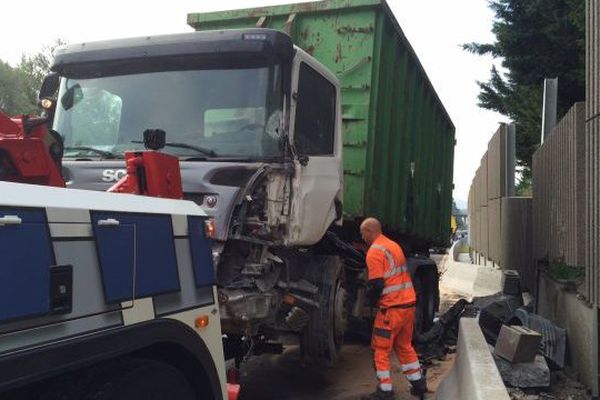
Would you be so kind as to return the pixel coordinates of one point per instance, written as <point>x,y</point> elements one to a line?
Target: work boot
<point>419,388</point>
<point>379,395</point>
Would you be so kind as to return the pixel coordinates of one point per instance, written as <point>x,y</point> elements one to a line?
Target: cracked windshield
<point>205,113</point>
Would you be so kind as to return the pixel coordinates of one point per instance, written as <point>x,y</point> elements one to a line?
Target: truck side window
<point>315,114</point>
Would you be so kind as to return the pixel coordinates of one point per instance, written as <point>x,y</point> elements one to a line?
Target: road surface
<point>283,377</point>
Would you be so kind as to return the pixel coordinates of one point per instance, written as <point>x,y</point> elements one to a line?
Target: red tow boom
<point>151,173</point>
<point>28,152</point>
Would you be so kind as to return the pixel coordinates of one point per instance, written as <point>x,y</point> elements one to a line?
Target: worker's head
<point>370,229</point>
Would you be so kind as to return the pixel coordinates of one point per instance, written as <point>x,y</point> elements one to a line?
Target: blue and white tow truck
<point>106,296</point>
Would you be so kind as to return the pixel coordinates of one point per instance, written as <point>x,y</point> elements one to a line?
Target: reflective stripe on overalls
<point>394,270</point>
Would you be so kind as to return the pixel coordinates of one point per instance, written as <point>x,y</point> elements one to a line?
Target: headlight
<point>46,103</point>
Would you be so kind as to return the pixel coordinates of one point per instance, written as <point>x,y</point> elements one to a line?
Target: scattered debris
<point>554,339</point>
<point>444,332</point>
<point>534,374</point>
<point>511,283</point>
<point>517,344</point>
<point>561,388</point>
<point>496,310</point>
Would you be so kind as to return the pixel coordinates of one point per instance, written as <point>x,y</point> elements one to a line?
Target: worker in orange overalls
<point>390,288</point>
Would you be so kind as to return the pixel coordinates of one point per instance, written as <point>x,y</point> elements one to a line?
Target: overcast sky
<point>436,28</point>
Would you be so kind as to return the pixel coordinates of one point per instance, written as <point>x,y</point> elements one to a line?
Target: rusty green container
<point>398,137</point>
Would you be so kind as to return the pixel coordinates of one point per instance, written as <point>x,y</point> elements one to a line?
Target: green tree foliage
<point>13,99</point>
<point>535,39</point>
<point>19,85</point>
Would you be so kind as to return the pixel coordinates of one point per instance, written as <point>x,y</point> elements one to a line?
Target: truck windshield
<point>205,113</point>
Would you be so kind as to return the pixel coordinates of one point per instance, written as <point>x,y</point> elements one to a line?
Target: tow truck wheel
<point>128,378</point>
<point>321,340</point>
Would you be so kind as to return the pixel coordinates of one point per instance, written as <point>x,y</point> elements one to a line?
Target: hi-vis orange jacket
<point>385,259</point>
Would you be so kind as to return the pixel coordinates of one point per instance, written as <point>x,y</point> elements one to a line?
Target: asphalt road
<point>283,377</point>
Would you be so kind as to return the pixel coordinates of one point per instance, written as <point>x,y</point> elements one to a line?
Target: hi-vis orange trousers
<point>393,330</point>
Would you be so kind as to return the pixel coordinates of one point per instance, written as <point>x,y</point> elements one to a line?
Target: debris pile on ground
<point>437,342</point>
<point>517,344</point>
<point>535,374</point>
<point>561,388</point>
<point>495,311</point>
<point>554,338</point>
<point>542,376</point>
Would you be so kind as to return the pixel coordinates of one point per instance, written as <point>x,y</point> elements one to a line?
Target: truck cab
<point>256,124</point>
<point>232,103</point>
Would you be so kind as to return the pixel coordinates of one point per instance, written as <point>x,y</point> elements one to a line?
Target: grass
<point>562,271</point>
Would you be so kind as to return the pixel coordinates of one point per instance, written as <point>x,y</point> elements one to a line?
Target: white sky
<point>435,28</point>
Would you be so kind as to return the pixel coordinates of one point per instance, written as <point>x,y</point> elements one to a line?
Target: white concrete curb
<point>474,375</point>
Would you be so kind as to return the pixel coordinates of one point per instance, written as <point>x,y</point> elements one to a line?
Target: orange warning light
<point>201,321</point>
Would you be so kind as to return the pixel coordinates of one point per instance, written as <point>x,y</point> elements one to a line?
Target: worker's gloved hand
<point>374,289</point>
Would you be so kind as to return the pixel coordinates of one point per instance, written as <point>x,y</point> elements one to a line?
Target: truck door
<point>316,136</point>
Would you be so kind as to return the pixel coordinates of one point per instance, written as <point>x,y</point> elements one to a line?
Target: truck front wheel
<point>321,340</point>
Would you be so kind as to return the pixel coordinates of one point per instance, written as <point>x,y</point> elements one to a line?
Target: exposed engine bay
<point>257,272</point>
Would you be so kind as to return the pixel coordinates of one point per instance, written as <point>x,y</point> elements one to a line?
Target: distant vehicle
<point>461,234</point>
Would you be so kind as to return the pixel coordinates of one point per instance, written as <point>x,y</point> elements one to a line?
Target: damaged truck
<point>291,123</point>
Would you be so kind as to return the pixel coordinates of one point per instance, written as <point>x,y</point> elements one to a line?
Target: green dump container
<point>398,138</point>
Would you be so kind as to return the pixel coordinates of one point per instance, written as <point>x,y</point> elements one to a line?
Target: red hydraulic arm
<point>149,172</point>
<point>29,153</point>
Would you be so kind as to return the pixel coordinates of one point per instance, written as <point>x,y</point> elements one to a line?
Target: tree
<point>34,69</point>
<point>535,39</point>
<point>12,97</point>
<point>19,85</point>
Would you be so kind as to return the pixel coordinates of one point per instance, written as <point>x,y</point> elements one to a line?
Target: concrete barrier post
<point>474,375</point>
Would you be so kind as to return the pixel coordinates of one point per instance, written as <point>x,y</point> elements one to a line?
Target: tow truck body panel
<point>102,273</point>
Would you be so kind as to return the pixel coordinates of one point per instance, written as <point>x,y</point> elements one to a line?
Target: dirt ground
<point>283,377</point>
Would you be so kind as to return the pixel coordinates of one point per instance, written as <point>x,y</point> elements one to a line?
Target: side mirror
<point>47,98</point>
<point>49,86</point>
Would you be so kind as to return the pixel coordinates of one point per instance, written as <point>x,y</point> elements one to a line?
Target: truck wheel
<point>125,379</point>
<point>425,281</point>
<point>322,338</point>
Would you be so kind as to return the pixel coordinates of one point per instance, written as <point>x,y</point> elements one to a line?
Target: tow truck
<point>103,296</point>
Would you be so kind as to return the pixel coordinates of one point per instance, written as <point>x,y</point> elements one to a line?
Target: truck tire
<point>124,379</point>
<point>425,281</point>
<point>322,338</point>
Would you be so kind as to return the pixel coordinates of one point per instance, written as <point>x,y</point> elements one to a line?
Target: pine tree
<point>535,39</point>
